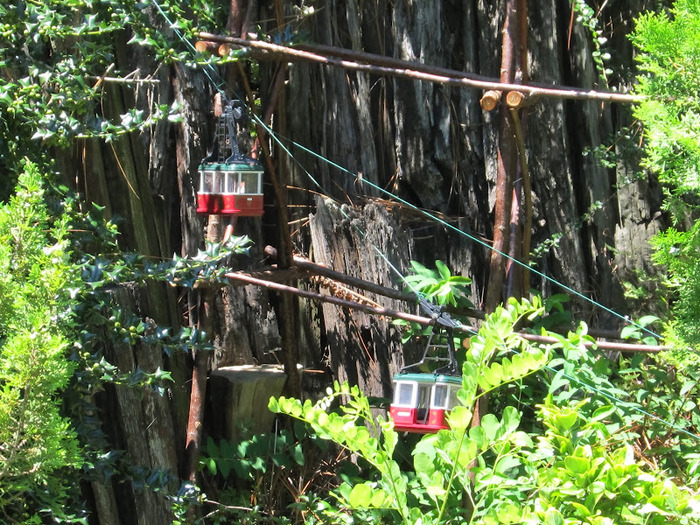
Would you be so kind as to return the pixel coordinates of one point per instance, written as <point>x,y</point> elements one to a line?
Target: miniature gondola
<point>422,399</point>
<point>230,183</point>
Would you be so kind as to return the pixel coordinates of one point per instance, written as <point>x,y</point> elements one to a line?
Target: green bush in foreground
<point>39,451</point>
<point>578,467</point>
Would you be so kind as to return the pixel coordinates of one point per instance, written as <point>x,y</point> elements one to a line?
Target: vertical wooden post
<point>519,116</point>
<point>202,307</point>
<point>506,166</point>
<point>506,230</point>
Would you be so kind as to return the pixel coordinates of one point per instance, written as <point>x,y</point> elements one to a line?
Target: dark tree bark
<point>436,148</point>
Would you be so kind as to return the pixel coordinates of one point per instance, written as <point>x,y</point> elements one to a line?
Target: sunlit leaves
<point>36,442</point>
<point>58,57</point>
<point>670,70</point>
<point>439,284</point>
<point>346,426</point>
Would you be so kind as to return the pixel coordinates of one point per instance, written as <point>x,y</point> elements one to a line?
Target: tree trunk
<point>434,147</point>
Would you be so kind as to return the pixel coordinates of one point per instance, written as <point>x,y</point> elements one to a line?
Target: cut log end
<point>224,50</point>
<point>490,100</point>
<point>515,99</point>
<point>206,46</point>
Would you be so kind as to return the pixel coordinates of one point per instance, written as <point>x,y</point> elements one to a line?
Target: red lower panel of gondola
<point>240,205</point>
<point>419,420</point>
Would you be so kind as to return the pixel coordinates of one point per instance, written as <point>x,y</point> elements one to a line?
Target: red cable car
<point>422,400</point>
<point>230,189</point>
<point>230,185</point>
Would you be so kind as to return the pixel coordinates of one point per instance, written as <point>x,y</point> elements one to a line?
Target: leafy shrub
<point>668,60</point>
<point>39,452</point>
<point>579,466</point>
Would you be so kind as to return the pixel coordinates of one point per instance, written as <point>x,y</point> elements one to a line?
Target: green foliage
<point>586,16</point>
<point>589,477</point>
<point>677,251</point>
<point>440,285</point>
<point>578,466</point>
<point>57,59</point>
<point>670,113</point>
<point>667,389</point>
<point>253,456</point>
<point>39,452</point>
<point>635,331</point>
<point>433,492</point>
<point>555,239</point>
<point>346,428</point>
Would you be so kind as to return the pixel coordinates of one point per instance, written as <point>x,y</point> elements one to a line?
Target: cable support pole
<point>381,65</point>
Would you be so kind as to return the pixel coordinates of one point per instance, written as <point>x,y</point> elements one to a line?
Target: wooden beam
<point>245,279</point>
<point>307,265</point>
<point>370,63</point>
<point>304,266</point>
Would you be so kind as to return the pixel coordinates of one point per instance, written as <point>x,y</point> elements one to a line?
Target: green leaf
<point>582,509</point>
<point>510,420</point>
<point>459,418</point>
<point>566,419</point>
<point>553,517</point>
<point>424,464</point>
<point>360,496</point>
<point>577,465</point>
<point>211,465</point>
<point>630,332</point>
<point>491,426</point>
<point>443,269</point>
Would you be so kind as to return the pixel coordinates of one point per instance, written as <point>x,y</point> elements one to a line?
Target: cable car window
<point>423,396</point>
<point>205,181</point>
<point>217,183</point>
<point>403,395</point>
<point>423,400</point>
<point>440,396</point>
<point>230,185</point>
<point>249,183</point>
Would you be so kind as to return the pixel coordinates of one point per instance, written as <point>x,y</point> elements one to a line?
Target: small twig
<point>123,80</point>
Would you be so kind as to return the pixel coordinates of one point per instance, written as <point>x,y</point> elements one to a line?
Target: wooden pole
<point>368,62</point>
<point>203,308</point>
<point>527,196</point>
<point>304,267</point>
<point>246,279</point>
<point>506,163</point>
